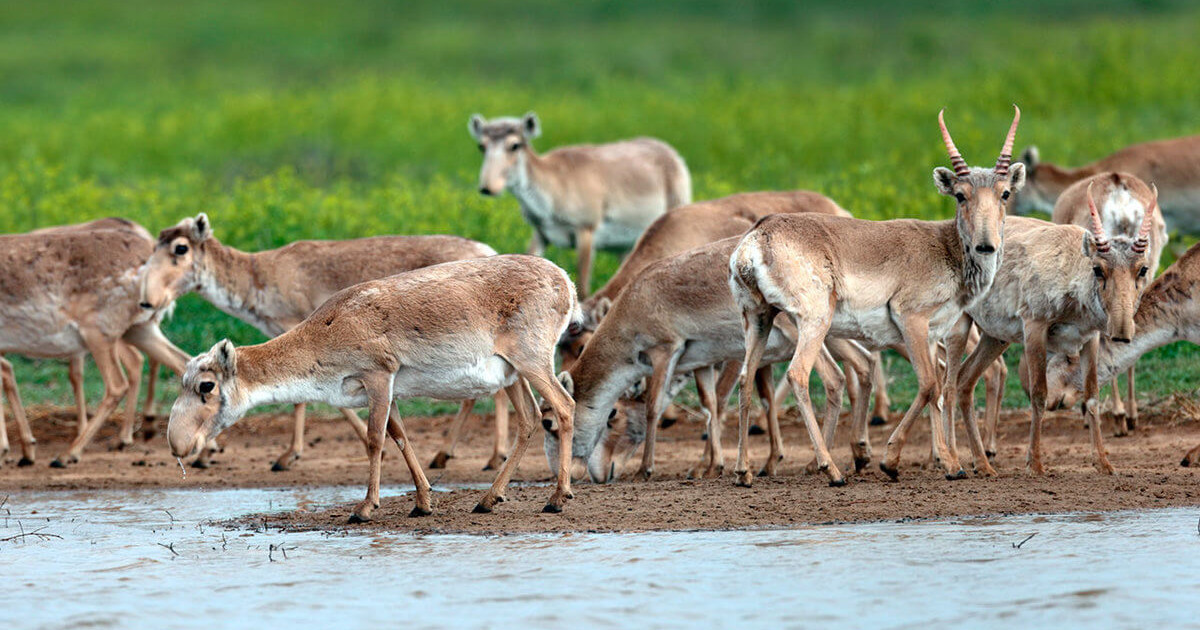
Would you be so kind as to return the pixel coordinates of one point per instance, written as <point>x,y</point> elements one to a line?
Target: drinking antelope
<point>677,317</point>
<point>1173,165</point>
<point>454,331</point>
<point>582,196</point>
<point>1059,288</point>
<point>1122,199</point>
<point>275,290</point>
<point>883,283</point>
<point>73,291</point>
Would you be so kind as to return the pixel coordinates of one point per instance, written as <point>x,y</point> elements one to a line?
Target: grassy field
<point>290,120</point>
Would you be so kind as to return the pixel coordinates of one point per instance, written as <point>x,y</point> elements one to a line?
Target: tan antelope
<point>1173,165</point>
<point>1169,312</point>
<point>454,331</point>
<point>1122,199</point>
<point>692,226</point>
<point>70,292</point>
<point>677,317</point>
<point>275,290</point>
<point>583,196</point>
<point>1059,289</point>
<point>882,283</point>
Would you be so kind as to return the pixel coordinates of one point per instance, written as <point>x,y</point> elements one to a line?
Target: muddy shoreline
<point>1147,462</point>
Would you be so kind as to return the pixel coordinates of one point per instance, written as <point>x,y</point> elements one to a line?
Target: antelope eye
<point>514,146</point>
<point>206,387</point>
<point>181,249</point>
<point>960,197</point>
<point>1098,271</point>
<point>482,148</point>
<point>1143,272</point>
<point>1004,195</point>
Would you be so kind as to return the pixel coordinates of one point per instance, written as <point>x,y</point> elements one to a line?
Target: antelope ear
<point>567,382</point>
<point>226,356</point>
<point>201,228</point>
<point>1016,176</point>
<point>1029,157</point>
<point>601,309</point>
<point>531,126</point>
<point>475,126</point>
<point>1089,245</point>
<point>944,179</point>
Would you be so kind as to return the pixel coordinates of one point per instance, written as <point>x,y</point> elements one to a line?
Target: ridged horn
<point>956,159</point>
<point>1097,226</point>
<point>1143,237</point>
<point>1005,158</point>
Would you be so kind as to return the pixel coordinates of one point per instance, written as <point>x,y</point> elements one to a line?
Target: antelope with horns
<point>1122,199</point>
<point>454,331</point>
<point>692,226</point>
<point>882,283</point>
<point>1173,165</point>
<point>581,196</point>
<point>1059,289</point>
<point>71,291</point>
<point>276,289</point>
<point>1169,312</point>
<point>676,317</point>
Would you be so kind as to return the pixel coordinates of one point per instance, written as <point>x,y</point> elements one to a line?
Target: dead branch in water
<point>1027,538</point>
<point>37,533</point>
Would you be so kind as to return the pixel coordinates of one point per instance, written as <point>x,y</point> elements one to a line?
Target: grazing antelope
<point>676,317</point>
<point>1060,287</point>
<point>454,331</point>
<point>882,283</point>
<point>1169,312</point>
<point>73,291</point>
<point>277,289</point>
<point>1173,165</point>
<point>582,196</point>
<point>1122,199</point>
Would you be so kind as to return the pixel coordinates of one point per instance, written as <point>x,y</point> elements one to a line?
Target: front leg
<point>395,430</point>
<point>379,400</point>
<point>1091,389</point>
<point>585,246</point>
<point>663,359</point>
<point>1035,358</point>
<point>297,448</point>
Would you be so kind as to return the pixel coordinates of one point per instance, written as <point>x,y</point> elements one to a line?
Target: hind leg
<point>859,377</point>
<point>132,361</point>
<point>378,386</point>
<point>522,403</point>
<point>712,462</point>
<point>879,380</point>
<point>500,447</point>
<point>296,449</point>
<point>756,325</point>
<point>8,380</point>
<point>765,384</point>
<point>104,352</point>
<point>834,381</point>
<point>543,381</point>
<point>75,376</point>
<point>460,420</point>
<point>150,407</point>
<point>809,346</point>
<point>395,429</point>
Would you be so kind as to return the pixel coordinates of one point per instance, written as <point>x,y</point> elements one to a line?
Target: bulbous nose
<point>146,305</point>
<point>985,249</point>
<point>1121,339</point>
<point>485,191</point>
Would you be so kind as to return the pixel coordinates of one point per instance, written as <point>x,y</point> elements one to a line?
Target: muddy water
<point>133,558</point>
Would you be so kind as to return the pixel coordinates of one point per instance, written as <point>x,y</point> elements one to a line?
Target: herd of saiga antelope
<point>748,280</point>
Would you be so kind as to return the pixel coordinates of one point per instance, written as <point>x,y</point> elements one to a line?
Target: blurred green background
<point>290,120</point>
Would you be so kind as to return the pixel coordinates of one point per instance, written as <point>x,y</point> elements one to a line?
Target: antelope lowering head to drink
<point>583,196</point>
<point>882,283</point>
<point>455,331</point>
<point>275,290</point>
<point>1173,165</point>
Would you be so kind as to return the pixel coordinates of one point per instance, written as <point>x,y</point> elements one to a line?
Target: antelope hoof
<point>878,421</point>
<point>644,474</point>
<point>1105,467</point>
<point>24,461</point>
<point>1131,423</point>
<point>203,464</point>
<point>667,423</point>
<point>59,462</point>
<point>148,428</point>
<point>1036,469</point>
<point>480,508</point>
<point>987,471</point>
<point>551,508</point>
<point>837,483</point>
<point>961,474</point>
<point>861,463</point>
<point>743,479</point>
<point>439,460</point>
<point>122,444</point>
<point>495,462</point>
<point>990,454</point>
<point>892,473</point>
<point>756,430</point>
<point>418,512</point>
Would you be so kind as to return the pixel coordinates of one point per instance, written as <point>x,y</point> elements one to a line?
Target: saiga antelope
<point>677,317</point>
<point>454,331</point>
<point>882,283</point>
<point>275,290</point>
<point>583,196</point>
<point>1122,199</point>
<point>1060,287</point>
<point>1173,165</point>
<point>74,291</point>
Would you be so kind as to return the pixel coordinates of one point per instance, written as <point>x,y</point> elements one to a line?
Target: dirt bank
<point>1149,475</point>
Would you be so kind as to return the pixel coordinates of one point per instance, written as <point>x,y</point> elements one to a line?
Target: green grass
<point>288,120</point>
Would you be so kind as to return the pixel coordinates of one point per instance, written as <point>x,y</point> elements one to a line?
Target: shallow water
<point>135,557</point>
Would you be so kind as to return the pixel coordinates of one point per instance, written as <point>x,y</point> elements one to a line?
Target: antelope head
<point>504,143</point>
<point>205,405</point>
<point>1035,195</point>
<point>1120,269</point>
<point>575,339</point>
<point>981,195</point>
<point>173,268</point>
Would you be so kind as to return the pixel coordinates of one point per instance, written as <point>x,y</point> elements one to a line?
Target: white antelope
<point>275,290</point>
<point>1122,199</point>
<point>73,291</point>
<point>1173,165</point>
<point>454,331</point>
<point>677,317</point>
<point>1060,287</point>
<point>883,283</point>
<point>582,196</point>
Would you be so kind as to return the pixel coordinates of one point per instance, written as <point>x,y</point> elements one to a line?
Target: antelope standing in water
<point>1169,312</point>
<point>883,283</point>
<point>582,196</point>
<point>1059,289</point>
<point>1172,165</point>
<point>1122,199</point>
<point>454,331</point>
<point>277,289</point>
<point>72,291</point>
